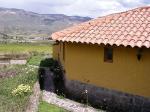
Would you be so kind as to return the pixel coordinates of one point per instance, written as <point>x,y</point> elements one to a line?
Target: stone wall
<point>4,62</point>
<point>110,100</point>
<point>19,62</point>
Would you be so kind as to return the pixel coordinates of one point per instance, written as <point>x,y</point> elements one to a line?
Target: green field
<point>25,48</point>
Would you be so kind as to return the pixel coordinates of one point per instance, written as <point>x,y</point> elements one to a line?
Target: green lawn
<point>25,48</point>
<point>46,107</point>
<point>9,102</point>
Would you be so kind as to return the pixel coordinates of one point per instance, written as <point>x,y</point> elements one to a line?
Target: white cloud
<point>96,8</point>
<point>91,8</point>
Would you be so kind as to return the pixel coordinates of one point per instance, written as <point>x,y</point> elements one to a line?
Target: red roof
<point>126,28</point>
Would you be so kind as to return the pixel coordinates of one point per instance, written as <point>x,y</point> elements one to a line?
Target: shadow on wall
<point>51,76</point>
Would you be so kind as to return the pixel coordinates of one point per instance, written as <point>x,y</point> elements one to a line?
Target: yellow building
<point>111,52</point>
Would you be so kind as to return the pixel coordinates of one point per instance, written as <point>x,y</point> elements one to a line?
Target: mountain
<point>16,23</point>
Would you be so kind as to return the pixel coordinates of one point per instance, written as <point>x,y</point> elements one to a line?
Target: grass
<point>25,48</point>
<point>8,102</point>
<point>46,107</point>
<point>35,60</point>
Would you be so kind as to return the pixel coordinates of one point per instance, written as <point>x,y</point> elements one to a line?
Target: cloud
<point>93,8</point>
<point>96,8</point>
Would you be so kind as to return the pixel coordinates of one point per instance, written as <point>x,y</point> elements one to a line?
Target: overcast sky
<point>92,8</point>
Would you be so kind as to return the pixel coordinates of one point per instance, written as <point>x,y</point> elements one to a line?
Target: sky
<point>91,8</point>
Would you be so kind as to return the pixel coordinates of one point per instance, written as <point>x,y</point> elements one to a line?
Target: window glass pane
<point>108,54</point>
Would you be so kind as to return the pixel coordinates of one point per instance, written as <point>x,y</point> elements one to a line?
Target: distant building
<point>110,54</point>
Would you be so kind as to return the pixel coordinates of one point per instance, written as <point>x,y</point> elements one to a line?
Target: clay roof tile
<point>126,28</point>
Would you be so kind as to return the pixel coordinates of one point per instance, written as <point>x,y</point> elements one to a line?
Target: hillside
<point>21,24</point>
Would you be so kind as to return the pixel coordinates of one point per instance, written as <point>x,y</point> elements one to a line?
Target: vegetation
<point>35,60</point>
<point>21,90</point>
<point>23,75</point>
<point>16,82</point>
<point>25,48</point>
<point>32,51</point>
<point>48,62</point>
<point>46,107</point>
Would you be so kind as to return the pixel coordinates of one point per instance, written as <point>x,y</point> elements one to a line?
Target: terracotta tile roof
<point>126,28</point>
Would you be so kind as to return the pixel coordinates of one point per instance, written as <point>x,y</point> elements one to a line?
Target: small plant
<point>61,96</point>
<point>21,90</point>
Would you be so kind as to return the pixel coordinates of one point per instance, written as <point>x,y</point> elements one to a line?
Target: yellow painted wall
<point>86,62</point>
<point>58,52</point>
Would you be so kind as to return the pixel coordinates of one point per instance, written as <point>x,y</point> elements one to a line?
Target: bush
<point>35,60</point>
<point>48,62</point>
<point>21,90</point>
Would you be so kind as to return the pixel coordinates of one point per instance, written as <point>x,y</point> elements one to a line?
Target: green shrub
<point>21,90</point>
<point>48,62</point>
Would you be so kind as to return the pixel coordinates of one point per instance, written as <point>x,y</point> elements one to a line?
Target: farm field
<point>34,51</point>
<point>25,47</point>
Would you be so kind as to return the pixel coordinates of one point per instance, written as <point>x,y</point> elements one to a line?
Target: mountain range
<point>20,23</point>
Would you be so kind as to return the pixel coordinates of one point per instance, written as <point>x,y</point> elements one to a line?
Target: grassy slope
<point>45,107</point>
<point>24,48</point>
<point>8,102</point>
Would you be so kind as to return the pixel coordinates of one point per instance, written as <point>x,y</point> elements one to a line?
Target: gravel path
<point>67,104</point>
